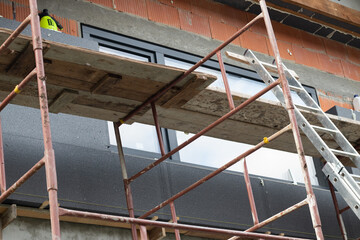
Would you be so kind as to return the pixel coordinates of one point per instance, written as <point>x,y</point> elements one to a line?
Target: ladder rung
<point>296,89</point>
<point>342,153</point>
<point>311,109</point>
<point>326,130</point>
<point>270,67</point>
<point>356,178</point>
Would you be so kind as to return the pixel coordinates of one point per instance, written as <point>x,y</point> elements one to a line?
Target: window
<point>237,83</point>
<point>206,151</point>
<point>214,152</point>
<point>123,54</point>
<point>135,136</point>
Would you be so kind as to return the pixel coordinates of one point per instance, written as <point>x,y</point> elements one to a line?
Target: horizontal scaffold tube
<point>202,132</point>
<point>17,89</point>
<point>145,222</point>
<point>217,171</point>
<point>193,68</point>
<point>14,34</point>
<point>21,180</point>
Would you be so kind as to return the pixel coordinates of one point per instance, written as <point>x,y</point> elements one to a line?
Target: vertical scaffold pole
<point>127,188</point>
<point>337,210</point>
<point>162,150</point>
<point>290,108</point>
<point>250,194</point>
<point>50,166</point>
<point>158,130</point>
<point>225,80</point>
<point>2,163</point>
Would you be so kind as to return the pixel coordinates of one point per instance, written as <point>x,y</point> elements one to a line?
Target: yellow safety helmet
<point>48,23</point>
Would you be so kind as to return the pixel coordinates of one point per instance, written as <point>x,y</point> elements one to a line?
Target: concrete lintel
<point>8,216</point>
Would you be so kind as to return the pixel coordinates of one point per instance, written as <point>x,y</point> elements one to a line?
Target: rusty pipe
<point>22,179</point>
<point>216,172</point>
<point>157,127</point>
<point>17,89</point>
<point>2,164</point>
<point>127,188</point>
<point>14,34</point>
<point>313,207</point>
<point>193,68</point>
<point>250,194</point>
<point>225,80</point>
<point>50,165</point>
<point>111,218</point>
<point>202,132</point>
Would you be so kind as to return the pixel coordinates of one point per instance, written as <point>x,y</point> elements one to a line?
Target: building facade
<point>178,33</point>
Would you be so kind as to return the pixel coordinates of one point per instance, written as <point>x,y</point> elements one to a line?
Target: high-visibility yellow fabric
<point>48,23</point>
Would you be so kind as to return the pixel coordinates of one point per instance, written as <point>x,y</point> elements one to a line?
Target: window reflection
<point>237,83</point>
<point>136,136</point>
<point>214,152</point>
<point>123,54</point>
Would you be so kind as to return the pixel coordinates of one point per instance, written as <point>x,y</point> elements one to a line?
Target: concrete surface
<point>140,28</point>
<point>36,229</point>
<point>354,4</point>
<point>24,228</point>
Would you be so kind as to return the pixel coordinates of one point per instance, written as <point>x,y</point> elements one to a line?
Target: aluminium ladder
<point>337,174</point>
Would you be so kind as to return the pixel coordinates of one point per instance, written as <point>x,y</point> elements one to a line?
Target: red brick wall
<point>218,21</point>
<point>21,11</point>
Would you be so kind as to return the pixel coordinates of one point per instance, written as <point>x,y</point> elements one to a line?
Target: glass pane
<point>237,83</point>
<point>136,136</point>
<point>123,54</point>
<point>213,152</point>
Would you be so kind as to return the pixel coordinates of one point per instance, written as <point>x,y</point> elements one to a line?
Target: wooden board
<point>44,214</point>
<point>250,125</point>
<point>331,9</point>
<point>102,86</point>
<point>93,74</point>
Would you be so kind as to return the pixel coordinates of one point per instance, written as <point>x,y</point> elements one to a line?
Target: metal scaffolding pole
<point>127,188</point>
<point>162,150</point>
<point>2,164</point>
<point>49,158</point>
<point>296,132</point>
<point>50,166</point>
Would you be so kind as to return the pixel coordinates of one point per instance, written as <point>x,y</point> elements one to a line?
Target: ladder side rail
<point>304,95</point>
<point>327,123</point>
<point>264,75</point>
<point>267,78</point>
<point>313,136</point>
<point>324,150</point>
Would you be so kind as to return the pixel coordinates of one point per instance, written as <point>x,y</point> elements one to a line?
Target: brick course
<point>218,21</point>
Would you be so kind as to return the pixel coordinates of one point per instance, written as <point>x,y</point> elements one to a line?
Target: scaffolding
<point>141,222</point>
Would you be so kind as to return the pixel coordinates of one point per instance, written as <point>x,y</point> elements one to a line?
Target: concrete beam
<point>7,217</point>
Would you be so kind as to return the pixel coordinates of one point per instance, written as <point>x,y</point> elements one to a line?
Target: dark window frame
<point>157,54</point>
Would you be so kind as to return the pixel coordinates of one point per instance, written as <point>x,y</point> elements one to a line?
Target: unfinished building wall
<point>197,27</point>
<point>338,64</point>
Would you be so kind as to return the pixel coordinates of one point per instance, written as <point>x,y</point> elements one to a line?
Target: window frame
<point>157,54</point>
